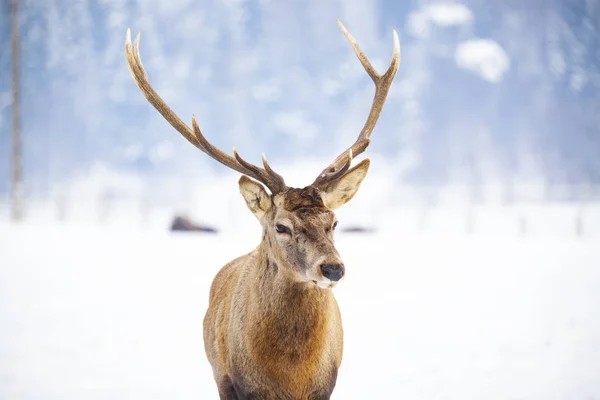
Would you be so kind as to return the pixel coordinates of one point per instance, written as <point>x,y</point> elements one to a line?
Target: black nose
<point>334,272</point>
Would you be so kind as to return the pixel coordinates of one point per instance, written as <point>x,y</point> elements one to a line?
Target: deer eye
<point>282,229</point>
<point>334,225</point>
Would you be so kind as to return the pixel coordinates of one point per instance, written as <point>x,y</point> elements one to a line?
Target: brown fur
<point>273,328</point>
<point>270,331</point>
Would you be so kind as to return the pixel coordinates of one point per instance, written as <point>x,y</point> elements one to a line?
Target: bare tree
<point>17,183</point>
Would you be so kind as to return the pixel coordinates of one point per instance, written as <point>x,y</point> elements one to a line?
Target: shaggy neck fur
<point>290,321</point>
<point>301,306</point>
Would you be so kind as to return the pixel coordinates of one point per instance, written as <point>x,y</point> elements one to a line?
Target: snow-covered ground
<point>113,314</point>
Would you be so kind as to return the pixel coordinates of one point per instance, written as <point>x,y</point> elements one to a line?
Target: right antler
<point>383,82</point>
<point>270,178</point>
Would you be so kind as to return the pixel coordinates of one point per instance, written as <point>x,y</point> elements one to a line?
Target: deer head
<point>298,224</point>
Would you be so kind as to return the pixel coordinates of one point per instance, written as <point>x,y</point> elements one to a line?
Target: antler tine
<point>269,169</point>
<point>269,177</point>
<point>332,175</point>
<point>382,86</point>
<point>272,180</point>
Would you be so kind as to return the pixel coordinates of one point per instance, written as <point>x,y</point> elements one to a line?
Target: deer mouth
<point>326,283</point>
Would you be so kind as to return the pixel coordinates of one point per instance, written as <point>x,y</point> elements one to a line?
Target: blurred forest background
<point>495,102</point>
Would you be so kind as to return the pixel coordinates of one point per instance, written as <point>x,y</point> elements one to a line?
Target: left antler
<point>382,85</point>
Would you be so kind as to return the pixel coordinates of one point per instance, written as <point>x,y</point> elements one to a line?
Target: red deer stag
<point>273,329</point>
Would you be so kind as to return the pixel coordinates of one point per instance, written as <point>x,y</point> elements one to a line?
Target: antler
<point>382,85</point>
<point>270,178</point>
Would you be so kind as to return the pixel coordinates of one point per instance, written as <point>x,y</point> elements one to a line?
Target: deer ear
<point>340,191</point>
<point>257,198</point>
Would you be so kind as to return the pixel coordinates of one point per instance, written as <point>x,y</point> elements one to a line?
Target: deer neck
<point>278,292</point>
<point>294,317</point>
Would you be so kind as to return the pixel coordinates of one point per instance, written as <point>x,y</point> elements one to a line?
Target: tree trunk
<point>16,178</point>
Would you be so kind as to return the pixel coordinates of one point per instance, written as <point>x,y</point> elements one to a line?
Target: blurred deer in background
<point>273,329</point>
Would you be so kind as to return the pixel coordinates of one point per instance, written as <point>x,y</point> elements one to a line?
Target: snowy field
<point>108,314</point>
